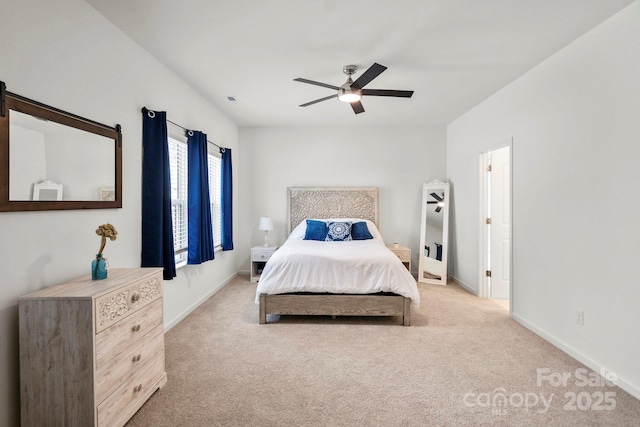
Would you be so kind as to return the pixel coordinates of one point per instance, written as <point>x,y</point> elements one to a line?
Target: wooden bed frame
<point>334,202</point>
<point>336,305</point>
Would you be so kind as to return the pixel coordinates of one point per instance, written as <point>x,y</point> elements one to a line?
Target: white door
<point>500,202</point>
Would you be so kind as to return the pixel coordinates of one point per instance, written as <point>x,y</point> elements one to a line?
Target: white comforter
<point>354,267</point>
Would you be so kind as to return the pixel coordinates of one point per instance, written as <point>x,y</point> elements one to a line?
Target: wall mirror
<point>51,159</point>
<point>434,233</point>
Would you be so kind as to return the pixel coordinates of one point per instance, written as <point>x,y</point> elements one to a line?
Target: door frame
<point>483,280</point>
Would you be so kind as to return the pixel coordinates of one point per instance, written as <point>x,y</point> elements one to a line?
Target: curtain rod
<point>145,110</point>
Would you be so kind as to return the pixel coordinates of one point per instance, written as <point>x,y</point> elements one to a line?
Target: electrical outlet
<point>579,317</point>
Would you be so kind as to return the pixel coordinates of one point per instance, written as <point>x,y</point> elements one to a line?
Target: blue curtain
<point>227,201</point>
<point>200,246</point>
<point>157,225</point>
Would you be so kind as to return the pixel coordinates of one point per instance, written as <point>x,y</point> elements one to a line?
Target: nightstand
<point>259,257</point>
<point>403,253</point>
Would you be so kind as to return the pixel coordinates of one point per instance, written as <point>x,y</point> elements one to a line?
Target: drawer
<point>114,306</point>
<point>403,255</point>
<point>123,365</point>
<point>127,332</point>
<point>261,255</point>
<point>131,395</point>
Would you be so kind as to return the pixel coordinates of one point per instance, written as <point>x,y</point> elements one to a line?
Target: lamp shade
<point>266,223</point>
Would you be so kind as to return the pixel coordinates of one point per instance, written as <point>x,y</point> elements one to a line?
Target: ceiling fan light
<point>349,95</point>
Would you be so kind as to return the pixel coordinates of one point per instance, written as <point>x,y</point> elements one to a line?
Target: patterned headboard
<point>331,202</point>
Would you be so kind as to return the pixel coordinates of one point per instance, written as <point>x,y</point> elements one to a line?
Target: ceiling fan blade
<point>431,203</point>
<point>319,100</point>
<point>439,208</point>
<point>357,107</point>
<point>435,196</point>
<point>387,92</point>
<point>311,82</point>
<point>374,71</point>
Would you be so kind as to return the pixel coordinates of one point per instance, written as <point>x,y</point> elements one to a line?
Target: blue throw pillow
<point>360,231</point>
<point>338,231</point>
<point>316,230</point>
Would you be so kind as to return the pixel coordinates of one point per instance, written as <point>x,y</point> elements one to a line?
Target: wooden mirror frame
<point>10,101</point>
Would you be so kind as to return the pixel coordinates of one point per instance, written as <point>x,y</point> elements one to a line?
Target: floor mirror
<point>434,233</point>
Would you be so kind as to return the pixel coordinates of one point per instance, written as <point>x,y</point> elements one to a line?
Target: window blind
<point>178,169</point>
<point>215,169</point>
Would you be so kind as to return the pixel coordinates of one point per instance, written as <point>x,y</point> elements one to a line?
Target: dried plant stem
<point>106,230</point>
<point>102,244</point>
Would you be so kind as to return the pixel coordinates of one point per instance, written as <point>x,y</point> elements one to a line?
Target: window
<point>215,195</point>
<point>178,165</point>
<point>178,170</point>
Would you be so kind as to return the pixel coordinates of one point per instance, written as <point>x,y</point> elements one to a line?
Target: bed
<point>337,278</point>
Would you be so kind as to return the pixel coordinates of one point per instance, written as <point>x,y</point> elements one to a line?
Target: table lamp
<point>266,224</point>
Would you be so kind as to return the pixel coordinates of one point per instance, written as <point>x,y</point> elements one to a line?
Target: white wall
<point>575,124</point>
<point>397,160</point>
<point>27,147</point>
<point>66,157</point>
<point>63,53</point>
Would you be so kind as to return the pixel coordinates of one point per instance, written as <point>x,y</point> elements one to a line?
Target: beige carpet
<point>462,362</point>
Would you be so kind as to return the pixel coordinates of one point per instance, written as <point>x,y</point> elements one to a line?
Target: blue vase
<point>99,268</point>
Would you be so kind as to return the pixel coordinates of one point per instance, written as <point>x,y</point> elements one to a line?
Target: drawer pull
<point>136,328</point>
<point>137,358</point>
<point>135,297</point>
<point>137,388</point>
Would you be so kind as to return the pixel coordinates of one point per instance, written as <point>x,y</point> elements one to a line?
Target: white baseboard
<point>465,286</point>
<point>196,304</point>
<point>632,389</point>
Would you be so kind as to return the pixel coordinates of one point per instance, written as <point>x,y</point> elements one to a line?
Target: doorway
<point>496,225</point>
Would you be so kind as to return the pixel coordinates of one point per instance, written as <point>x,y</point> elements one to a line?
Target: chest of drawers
<point>91,352</point>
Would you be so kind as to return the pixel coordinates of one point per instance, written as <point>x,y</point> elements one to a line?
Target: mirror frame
<point>47,186</point>
<point>427,189</point>
<point>10,101</point>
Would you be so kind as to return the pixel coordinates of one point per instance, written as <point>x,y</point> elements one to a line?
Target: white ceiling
<point>452,53</point>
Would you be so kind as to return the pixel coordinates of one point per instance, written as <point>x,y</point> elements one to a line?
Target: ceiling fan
<point>439,201</point>
<point>352,92</point>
